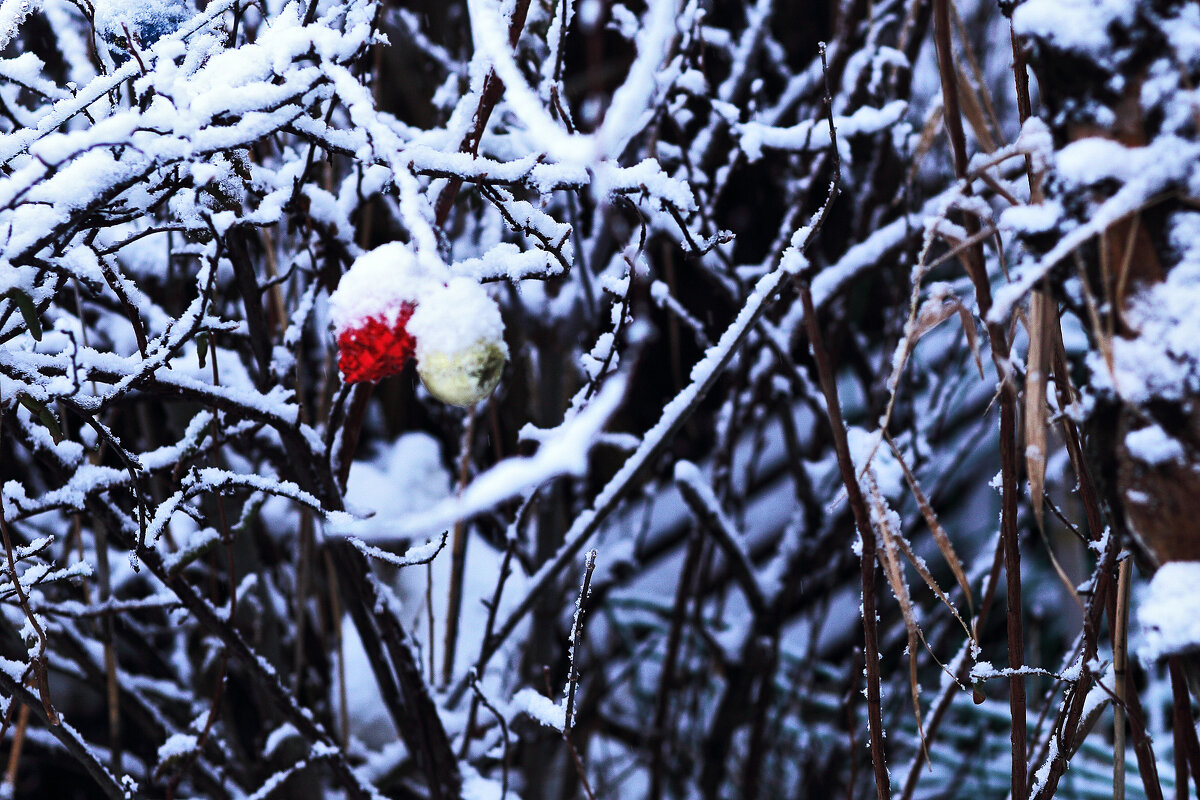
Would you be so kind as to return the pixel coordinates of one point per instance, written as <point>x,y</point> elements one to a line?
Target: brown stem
<point>1185,725</point>
<point>37,664</point>
<point>1012,574</point>
<point>958,143</point>
<point>493,90</point>
<point>577,636</point>
<point>14,755</point>
<point>360,395</point>
<point>247,282</point>
<point>573,674</point>
<point>1068,722</point>
<point>691,562</point>
<point>976,270</point>
<point>862,521</point>
<point>1181,767</point>
<point>944,701</point>
<point>1024,107</point>
<point>758,746</point>
<point>1120,653</point>
<point>458,559</point>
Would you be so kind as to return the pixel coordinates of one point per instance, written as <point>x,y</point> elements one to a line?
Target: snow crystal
<point>12,14</point>
<point>814,134</point>
<point>1036,218</point>
<point>1036,140</point>
<point>1043,772</point>
<point>1184,34</point>
<point>14,669</point>
<point>1097,696</point>
<point>1169,612</point>
<point>982,670</point>
<point>1162,360</point>
<point>1144,171</point>
<point>508,261</point>
<point>623,21</point>
<point>277,737</point>
<point>1093,159</point>
<point>476,787</point>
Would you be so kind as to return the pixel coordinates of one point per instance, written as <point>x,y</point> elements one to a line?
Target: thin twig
<point>458,558</point>
<point>862,521</point>
<point>479,696</point>
<point>977,271</point>
<point>1184,722</point>
<point>858,505</point>
<point>1120,651</point>
<point>589,566</point>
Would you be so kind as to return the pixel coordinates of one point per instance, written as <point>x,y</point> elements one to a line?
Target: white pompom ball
<point>460,342</point>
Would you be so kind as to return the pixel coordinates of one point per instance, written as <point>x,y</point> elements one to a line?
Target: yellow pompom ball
<point>463,377</point>
<point>460,342</point>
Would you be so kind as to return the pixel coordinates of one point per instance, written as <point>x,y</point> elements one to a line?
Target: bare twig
<point>458,558</point>
<point>1120,651</point>
<point>866,534</point>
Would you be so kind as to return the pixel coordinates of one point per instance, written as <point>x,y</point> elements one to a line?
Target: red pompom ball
<point>376,349</point>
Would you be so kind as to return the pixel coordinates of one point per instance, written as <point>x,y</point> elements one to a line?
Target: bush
<point>569,399</point>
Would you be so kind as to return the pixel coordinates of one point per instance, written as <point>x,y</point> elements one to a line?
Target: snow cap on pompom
<point>453,317</point>
<point>377,286</point>
<point>460,342</point>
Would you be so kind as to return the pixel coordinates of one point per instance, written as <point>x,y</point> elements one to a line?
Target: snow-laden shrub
<point>557,399</point>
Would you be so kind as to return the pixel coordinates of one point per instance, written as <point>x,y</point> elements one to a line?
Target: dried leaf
<point>968,323</point>
<point>973,111</point>
<point>934,311</point>
<point>939,536</point>
<point>895,578</point>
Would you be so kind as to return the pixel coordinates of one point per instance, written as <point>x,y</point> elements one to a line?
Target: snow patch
<point>1079,26</point>
<point>406,478</point>
<point>541,708</point>
<point>179,745</point>
<point>1152,445</point>
<point>1169,612</point>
